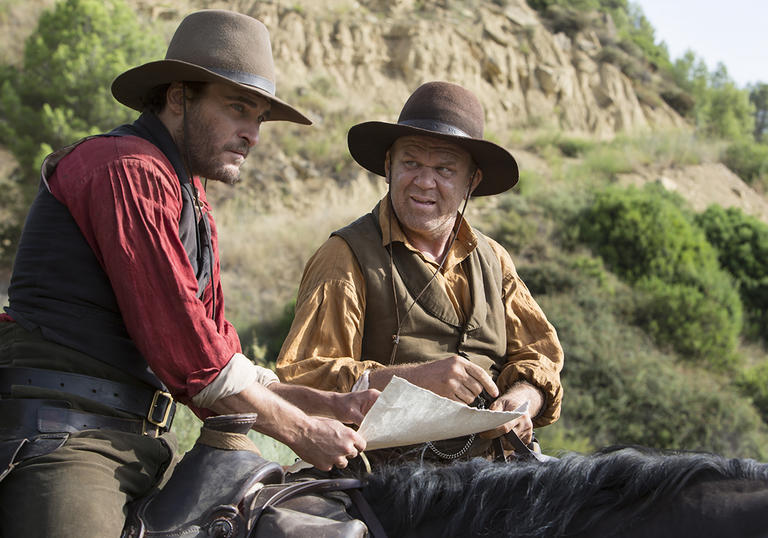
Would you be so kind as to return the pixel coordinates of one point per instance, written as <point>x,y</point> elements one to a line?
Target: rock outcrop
<point>374,53</point>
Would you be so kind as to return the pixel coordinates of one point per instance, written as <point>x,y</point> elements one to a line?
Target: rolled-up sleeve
<point>534,353</point>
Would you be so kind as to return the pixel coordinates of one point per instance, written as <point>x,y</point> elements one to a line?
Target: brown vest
<point>432,330</point>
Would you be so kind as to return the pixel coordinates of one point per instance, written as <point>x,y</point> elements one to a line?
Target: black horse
<point>224,489</point>
<point>622,492</point>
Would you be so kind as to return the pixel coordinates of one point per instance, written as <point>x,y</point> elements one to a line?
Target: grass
<point>263,251</point>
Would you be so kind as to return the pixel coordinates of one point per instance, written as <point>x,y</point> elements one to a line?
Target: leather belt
<point>28,417</point>
<point>156,407</point>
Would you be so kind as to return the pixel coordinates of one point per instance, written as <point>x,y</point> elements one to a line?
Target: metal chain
<point>481,404</point>
<point>458,454</point>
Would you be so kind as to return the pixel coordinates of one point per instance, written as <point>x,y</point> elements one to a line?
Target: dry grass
<point>263,252</point>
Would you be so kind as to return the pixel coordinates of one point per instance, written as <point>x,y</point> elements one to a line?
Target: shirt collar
<point>465,243</point>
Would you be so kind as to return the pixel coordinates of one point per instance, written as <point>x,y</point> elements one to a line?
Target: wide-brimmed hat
<point>441,110</point>
<point>212,46</point>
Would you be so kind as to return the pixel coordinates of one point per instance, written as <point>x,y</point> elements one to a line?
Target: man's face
<point>223,125</point>
<point>429,179</point>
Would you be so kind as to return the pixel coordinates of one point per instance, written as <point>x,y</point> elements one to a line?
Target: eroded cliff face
<point>374,53</point>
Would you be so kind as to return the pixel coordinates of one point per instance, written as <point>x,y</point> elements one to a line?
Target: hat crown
<point>444,107</point>
<point>227,43</point>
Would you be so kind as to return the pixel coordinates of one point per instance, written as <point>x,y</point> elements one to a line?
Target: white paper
<point>405,414</point>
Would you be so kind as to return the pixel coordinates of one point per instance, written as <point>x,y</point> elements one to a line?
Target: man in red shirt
<point>115,303</point>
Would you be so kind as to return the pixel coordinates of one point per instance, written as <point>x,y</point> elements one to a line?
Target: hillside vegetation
<point>659,297</point>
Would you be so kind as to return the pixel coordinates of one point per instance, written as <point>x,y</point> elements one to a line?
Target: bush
<point>749,161</point>
<point>680,101</point>
<point>643,233</point>
<point>695,320</point>
<point>620,389</point>
<point>647,239</point>
<point>62,91</point>
<point>754,383</point>
<point>742,245</point>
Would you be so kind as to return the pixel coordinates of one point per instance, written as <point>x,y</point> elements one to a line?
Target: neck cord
<point>454,235</point>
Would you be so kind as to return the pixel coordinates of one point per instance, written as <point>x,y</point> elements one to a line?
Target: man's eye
<point>444,171</point>
<point>410,164</point>
<point>238,107</point>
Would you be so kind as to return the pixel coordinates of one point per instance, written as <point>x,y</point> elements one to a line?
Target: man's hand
<point>326,443</point>
<point>323,442</point>
<point>453,377</point>
<point>351,407</point>
<point>517,394</point>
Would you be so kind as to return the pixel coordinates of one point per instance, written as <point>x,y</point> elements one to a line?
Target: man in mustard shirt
<point>411,290</point>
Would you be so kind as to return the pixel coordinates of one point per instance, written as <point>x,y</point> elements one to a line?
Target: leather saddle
<point>223,488</point>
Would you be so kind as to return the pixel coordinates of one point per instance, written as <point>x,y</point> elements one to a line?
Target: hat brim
<point>368,144</point>
<point>132,86</point>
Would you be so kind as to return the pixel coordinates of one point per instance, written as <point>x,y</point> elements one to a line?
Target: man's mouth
<point>243,152</point>
<point>422,201</point>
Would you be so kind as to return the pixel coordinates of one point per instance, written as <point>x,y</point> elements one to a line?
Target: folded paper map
<point>405,414</point>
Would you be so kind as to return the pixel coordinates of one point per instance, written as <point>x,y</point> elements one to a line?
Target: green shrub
<point>62,91</point>
<point>681,101</point>
<point>748,160</point>
<point>742,245</point>
<point>574,147</point>
<point>565,19</point>
<point>695,320</point>
<point>647,239</point>
<point>620,389</point>
<point>642,233</point>
<point>754,383</point>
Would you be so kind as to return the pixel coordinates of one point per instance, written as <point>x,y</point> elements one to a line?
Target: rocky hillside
<point>376,52</point>
<point>344,61</point>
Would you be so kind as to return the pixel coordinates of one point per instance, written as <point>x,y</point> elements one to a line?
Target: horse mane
<point>480,497</point>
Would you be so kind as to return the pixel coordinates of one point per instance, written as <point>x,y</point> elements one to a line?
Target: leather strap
<point>156,406</point>
<point>522,452</point>
<point>56,419</point>
<point>350,485</point>
<point>31,417</point>
<point>366,513</point>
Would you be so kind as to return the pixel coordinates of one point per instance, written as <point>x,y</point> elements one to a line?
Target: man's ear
<point>387,165</point>
<point>174,98</point>
<point>477,177</point>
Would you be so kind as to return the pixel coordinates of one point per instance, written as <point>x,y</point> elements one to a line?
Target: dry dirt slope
<point>706,184</point>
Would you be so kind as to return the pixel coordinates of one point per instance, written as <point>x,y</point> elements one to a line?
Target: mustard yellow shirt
<point>323,348</point>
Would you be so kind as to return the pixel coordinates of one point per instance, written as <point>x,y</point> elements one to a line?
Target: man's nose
<point>250,133</point>
<point>425,177</point>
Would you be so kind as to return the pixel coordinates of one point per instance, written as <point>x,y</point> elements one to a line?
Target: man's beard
<point>201,154</point>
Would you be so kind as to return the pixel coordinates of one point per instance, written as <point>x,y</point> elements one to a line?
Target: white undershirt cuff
<point>236,376</point>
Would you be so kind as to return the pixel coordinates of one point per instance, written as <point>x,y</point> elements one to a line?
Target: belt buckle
<point>150,430</point>
<point>164,401</point>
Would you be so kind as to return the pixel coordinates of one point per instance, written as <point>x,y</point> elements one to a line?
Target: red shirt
<point>126,199</point>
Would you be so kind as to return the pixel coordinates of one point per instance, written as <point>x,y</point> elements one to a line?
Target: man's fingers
<point>464,394</point>
<point>482,377</point>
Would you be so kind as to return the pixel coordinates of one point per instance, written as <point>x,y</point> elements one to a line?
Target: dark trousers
<point>82,488</point>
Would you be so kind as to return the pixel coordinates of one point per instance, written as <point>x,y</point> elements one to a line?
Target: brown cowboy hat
<point>212,46</point>
<point>441,110</point>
